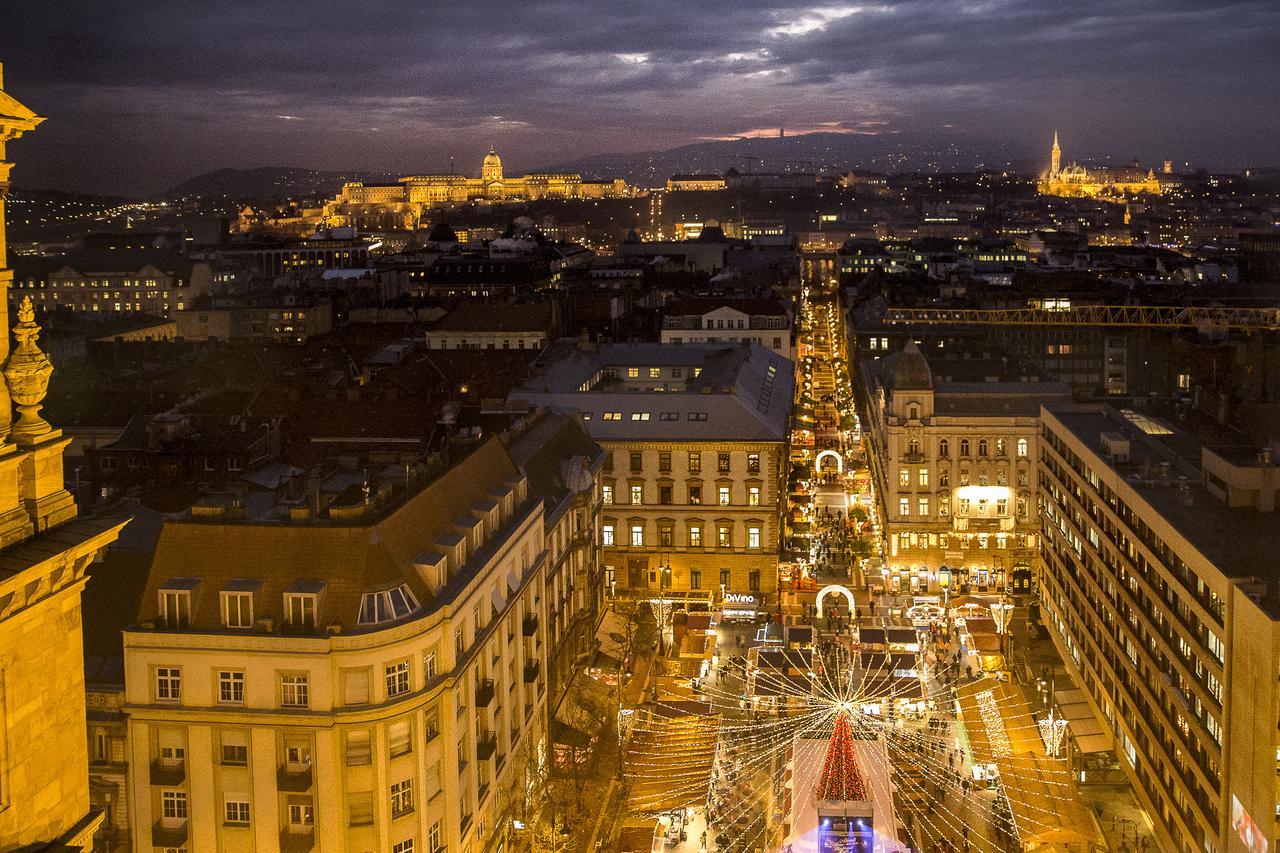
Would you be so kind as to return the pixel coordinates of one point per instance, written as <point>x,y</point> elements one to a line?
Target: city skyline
<point>164,93</point>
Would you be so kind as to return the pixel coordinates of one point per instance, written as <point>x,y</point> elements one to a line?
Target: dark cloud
<point>143,93</point>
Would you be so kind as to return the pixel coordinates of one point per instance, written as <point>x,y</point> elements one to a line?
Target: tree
<point>841,779</point>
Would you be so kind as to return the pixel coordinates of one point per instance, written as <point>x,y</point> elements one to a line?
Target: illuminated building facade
<point>404,203</point>
<point>952,450</point>
<point>45,548</point>
<point>695,438</point>
<point>1159,587</point>
<point>1105,184</point>
<point>371,678</point>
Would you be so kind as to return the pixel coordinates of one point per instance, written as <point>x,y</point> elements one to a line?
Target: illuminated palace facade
<point>1075,181</point>
<point>410,197</point>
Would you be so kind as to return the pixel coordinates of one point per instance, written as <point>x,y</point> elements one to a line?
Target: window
<point>964,447</point>
<point>724,539</point>
<point>655,372</point>
<point>637,536</point>
<point>402,798</point>
<point>904,477</point>
<point>168,684</point>
<point>301,813</point>
<point>606,494</point>
<point>175,608</point>
<point>695,579</point>
<point>722,463</point>
<point>1022,448</point>
<point>637,495</point>
<point>236,810</point>
<point>695,463</point>
<point>359,751</point>
<point>633,373</point>
<point>695,494</point>
<point>173,805</point>
<point>664,495</point>
<point>386,605</point>
<point>405,846</point>
<point>982,447</point>
<point>922,506</point>
<point>399,738</point>
<point>230,687</point>
<point>397,678</point>
<point>695,536</point>
<point>637,461</point>
<point>723,492</point>
<point>360,808</point>
<point>1000,447</point>
<point>640,416</point>
<point>753,496</point>
<point>668,416</point>
<point>612,416</point>
<point>664,461</point>
<point>235,749</point>
<point>725,575</point>
<point>606,534</point>
<point>665,536</point>
<point>428,665</point>
<point>300,610</point>
<point>237,609</point>
<point>753,580</point>
<point>904,506</point>
<point>753,537</point>
<point>294,690</point>
<point>944,447</point>
<point>753,463</point>
<point>433,838</point>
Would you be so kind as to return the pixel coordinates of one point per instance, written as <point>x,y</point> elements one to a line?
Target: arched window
<point>1022,448</point>
<point>913,447</point>
<point>914,412</point>
<point>999,447</point>
<point>982,447</point>
<point>944,447</point>
<point>964,447</point>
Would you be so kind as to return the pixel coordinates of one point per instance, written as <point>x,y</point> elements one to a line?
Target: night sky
<point>141,94</point>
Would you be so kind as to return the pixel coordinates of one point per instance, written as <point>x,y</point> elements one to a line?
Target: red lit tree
<point>841,778</point>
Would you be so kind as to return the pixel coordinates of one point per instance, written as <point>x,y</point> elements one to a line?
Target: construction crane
<point>1248,319</point>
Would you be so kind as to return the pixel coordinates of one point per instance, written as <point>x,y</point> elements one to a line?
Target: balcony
<point>169,833</point>
<point>486,744</point>
<point>294,778</point>
<point>168,774</point>
<point>297,840</point>
<point>529,625</point>
<point>484,692</point>
<point>531,671</point>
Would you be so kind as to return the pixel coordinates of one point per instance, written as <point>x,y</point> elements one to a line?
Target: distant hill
<point>820,152</point>
<point>269,183</point>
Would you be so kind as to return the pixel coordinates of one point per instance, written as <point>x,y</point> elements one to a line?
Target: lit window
<point>637,536</point>
<point>606,534</point>
<point>922,507</point>
<point>753,537</point>
<point>724,495</point>
<point>637,494</point>
<point>633,373</point>
<point>723,536</point>
<point>1022,448</point>
<point>753,496</point>
<point>695,536</point>
<point>904,506</point>
<point>655,372</point>
<point>606,494</point>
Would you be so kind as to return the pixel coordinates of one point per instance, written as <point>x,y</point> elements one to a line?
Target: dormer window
<point>387,605</point>
<point>237,604</point>
<point>175,597</point>
<point>301,603</point>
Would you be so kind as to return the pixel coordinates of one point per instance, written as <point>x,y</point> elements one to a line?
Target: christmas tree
<point>841,779</point>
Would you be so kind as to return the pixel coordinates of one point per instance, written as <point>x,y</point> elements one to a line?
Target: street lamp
<point>1052,730</point>
<point>664,576</point>
<point>1002,614</point>
<point>944,582</point>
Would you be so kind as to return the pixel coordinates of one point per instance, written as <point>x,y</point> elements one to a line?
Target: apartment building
<point>952,451</point>
<point>1159,590</point>
<point>766,322</point>
<point>370,676</point>
<point>695,438</point>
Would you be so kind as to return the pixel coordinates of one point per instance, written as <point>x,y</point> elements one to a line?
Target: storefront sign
<point>739,598</point>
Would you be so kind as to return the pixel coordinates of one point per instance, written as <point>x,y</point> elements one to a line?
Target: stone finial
<point>27,373</point>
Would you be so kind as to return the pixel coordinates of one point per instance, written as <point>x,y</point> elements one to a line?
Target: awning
<point>499,603</point>
<point>611,637</point>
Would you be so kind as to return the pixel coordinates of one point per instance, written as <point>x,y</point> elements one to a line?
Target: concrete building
<point>1159,590</point>
<point>282,318</point>
<point>952,447</point>
<point>477,325</point>
<point>696,444</point>
<point>369,676</point>
<point>45,550</point>
<point>766,322</point>
<point>695,183</point>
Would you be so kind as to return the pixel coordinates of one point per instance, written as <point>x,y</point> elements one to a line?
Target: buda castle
<point>402,204</point>
<point>1104,184</point>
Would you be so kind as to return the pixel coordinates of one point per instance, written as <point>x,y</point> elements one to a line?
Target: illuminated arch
<point>835,587</point>
<point>817,462</point>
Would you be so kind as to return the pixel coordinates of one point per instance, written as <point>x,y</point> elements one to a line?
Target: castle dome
<point>492,160</point>
<point>909,370</point>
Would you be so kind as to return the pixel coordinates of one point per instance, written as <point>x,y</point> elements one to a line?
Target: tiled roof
<point>347,559</point>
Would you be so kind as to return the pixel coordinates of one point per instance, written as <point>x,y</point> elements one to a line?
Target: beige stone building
<point>372,676</point>
<point>696,443</point>
<point>952,447</point>
<point>44,552</point>
<point>1159,588</point>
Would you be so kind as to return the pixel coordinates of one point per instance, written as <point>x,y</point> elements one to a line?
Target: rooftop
<point>1240,542</point>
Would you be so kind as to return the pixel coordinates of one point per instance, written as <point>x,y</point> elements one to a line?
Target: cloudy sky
<point>143,93</point>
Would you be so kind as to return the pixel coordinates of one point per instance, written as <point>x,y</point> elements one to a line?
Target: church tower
<point>46,550</point>
<point>1055,158</point>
